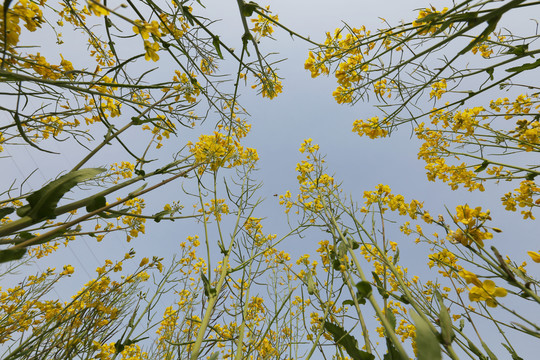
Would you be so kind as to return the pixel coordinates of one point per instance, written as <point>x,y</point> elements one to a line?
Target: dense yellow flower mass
<point>218,150</point>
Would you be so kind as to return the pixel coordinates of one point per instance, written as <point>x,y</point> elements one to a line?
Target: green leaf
<point>341,337</point>
<point>106,215</point>
<point>404,299</point>
<point>396,257</point>
<point>245,39</point>
<point>44,201</point>
<point>310,284</point>
<point>447,333</point>
<point>390,317</point>
<point>524,67</point>
<point>215,42</point>
<point>363,289</point>
<point>118,346</point>
<point>348,302</point>
<point>187,14</point>
<point>6,211</point>
<point>25,235</point>
<point>23,210</point>
<point>490,72</point>
<point>482,166</point>
<point>342,249</point>
<point>530,176</point>
<point>96,203</point>
<point>519,50</point>
<point>492,24</point>
<point>488,350</point>
<point>214,356</point>
<point>426,341</point>
<point>11,254</point>
<point>392,353</point>
<point>512,352</point>
<point>160,215</point>
<point>209,291</point>
<point>475,350</point>
<point>249,8</point>
<point>135,193</point>
<point>380,287</point>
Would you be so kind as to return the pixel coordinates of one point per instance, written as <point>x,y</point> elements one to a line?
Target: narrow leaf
<point>426,341</point>
<point>249,8</point>
<point>392,353</point>
<point>527,66</point>
<point>96,203</point>
<point>341,337</point>
<point>512,352</point>
<point>160,215</point>
<point>44,201</point>
<point>396,257</point>
<point>215,42</point>
<point>11,254</point>
<point>489,352</point>
<point>390,317</point>
<point>475,350</point>
<point>363,289</point>
<point>447,333</point>
<point>6,211</point>
<point>492,24</point>
<point>310,284</point>
<point>482,166</point>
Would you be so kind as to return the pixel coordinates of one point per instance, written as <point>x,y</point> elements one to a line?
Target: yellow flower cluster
<point>162,129</point>
<point>371,128</point>
<point>384,197</point>
<point>218,150</point>
<point>526,196</point>
<point>472,228</point>
<point>262,26</point>
<point>254,228</point>
<point>94,7</point>
<point>146,30</point>
<point>446,261</point>
<point>215,207</point>
<point>187,87</point>
<point>124,170</point>
<point>314,183</point>
<point>427,20</point>
<point>349,72</point>
<point>380,88</point>
<point>269,84</point>
<point>134,224</point>
<point>436,147</point>
<point>437,89</point>
<point>483,49</point>
<point>25,10</point>
<point>43,68</point>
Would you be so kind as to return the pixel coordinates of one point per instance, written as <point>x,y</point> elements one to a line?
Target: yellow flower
<point>68,270</point>
<point>534,256</point>
<point>151,51</point>
<point>97,8</point>
<point>487,292</point>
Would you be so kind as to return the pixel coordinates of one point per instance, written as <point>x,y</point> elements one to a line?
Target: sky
<point>305,109</point>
